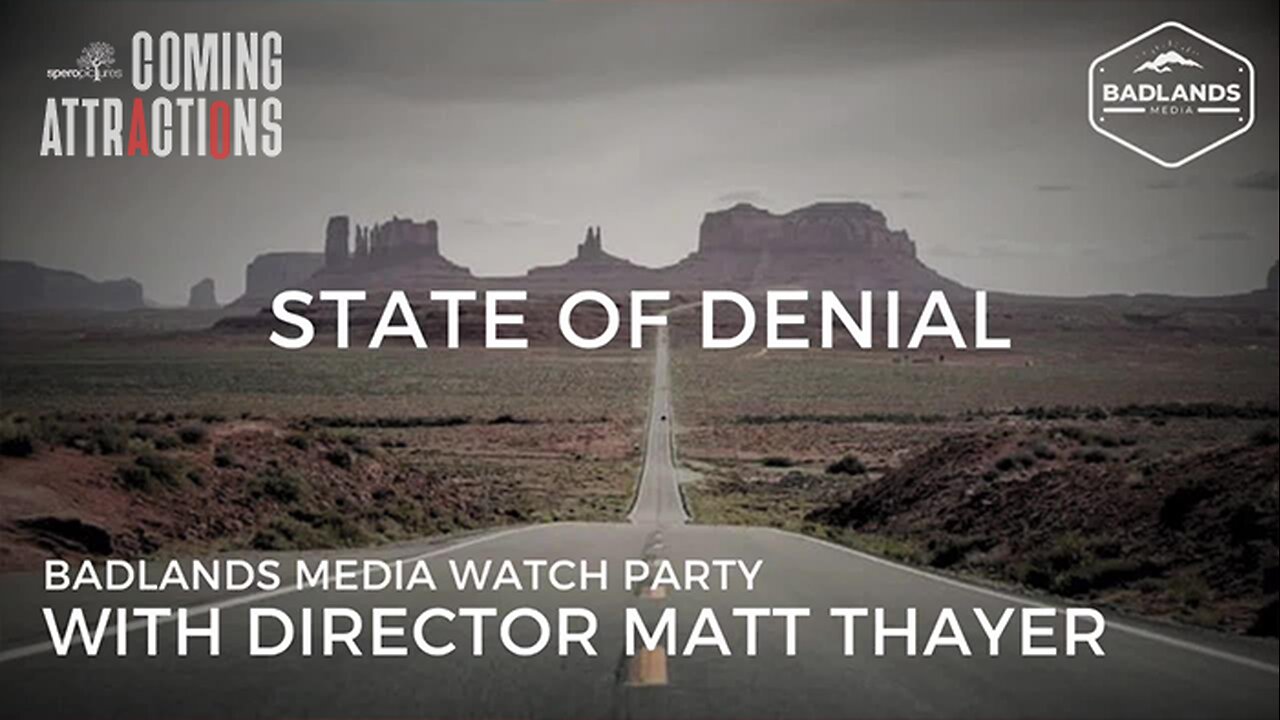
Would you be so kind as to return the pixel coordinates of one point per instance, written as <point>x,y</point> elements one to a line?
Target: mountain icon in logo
<point>1165,61</point>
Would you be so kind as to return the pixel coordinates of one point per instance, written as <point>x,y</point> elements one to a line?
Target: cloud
<point>1055,188</point>
<point>1261,180</point>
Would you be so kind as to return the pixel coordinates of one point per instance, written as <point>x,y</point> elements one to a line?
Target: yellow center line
<point>648,668</point>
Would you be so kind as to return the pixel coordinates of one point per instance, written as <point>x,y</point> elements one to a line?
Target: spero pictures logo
<point>189,94</point>
<point>95,63</point>
<point>1171,94</point>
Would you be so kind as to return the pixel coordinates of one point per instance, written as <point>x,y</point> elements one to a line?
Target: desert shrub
<point>302,530</point>
<point>1071,432</point>
<point>837,419</point>
<point>223,459</point>
<point>1064,553</point>
<point>950,550</point>
<point>92,439</point>
<point>150,471</point>
<point>16,441</point>
<point>16,445</point>
<point>1010,462</point>
<point>1110,441</point>
<point>281,487</point>
<point>142,432</point>
<point>1190,589</point>
<point>165,470</point>
<point>356,442</point>
<point>1106,548</point>
<point>387,422</point>
<point>85,434</point>
<point>339,457</point>
<point>1246,524</point>
<point>508,419</point>
<point>269,540</point>
<point>1094,575</point>
<point>165,441</point>
<point>1247,411</point>
<point>1070,565</point>
<point>323,436</point>
<point>1043,451</point>
<point>1178,505</point>
<point>136,478</point>
<point>1265,624</point>
<point>1015,460</point>
<point>286,534</point>
<point>1035,576</point>
<point>847,465</point>
<point>408,514</point>
<point>193,434</point>
<point>1264,437</point>
<point>1056,412</point>
<point>299,441</point>
<point>340,530</point>
<point>1095,456</point>
<point>108,440</point>
<point>777,461</point>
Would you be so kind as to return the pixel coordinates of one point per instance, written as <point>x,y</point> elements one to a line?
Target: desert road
<point>1145,673</point>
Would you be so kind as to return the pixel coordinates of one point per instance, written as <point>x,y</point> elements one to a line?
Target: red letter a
<point>138,138</point>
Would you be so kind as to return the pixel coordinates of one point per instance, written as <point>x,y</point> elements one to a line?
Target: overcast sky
<point>516,124</point>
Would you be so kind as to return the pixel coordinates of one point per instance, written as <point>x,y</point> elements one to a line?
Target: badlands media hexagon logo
<point>1171,94</point>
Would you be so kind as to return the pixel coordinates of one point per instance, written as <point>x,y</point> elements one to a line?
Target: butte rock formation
<point>27,286</point>
<point>845,246</point>
<point>397,254</point>
<point>269,273</point>
<point>841,246</point>
<point>203,296</point>
<point>594,268</point>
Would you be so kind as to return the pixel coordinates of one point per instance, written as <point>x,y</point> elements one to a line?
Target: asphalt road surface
<point>1145,673</point>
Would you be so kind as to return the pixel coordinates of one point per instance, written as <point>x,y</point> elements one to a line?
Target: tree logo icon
<point>95,63</point>
<point>96,57</point>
